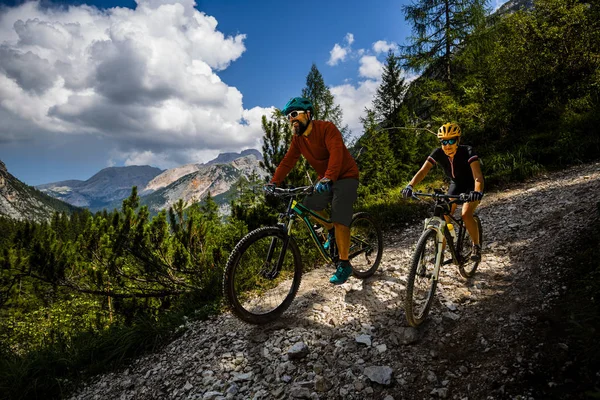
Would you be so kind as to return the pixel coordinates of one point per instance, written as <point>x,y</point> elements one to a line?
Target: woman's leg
<point>468,209</point>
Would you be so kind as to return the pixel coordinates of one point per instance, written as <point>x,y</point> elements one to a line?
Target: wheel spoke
<point>421,284</point>
<point>366,245</point>
<point>262,276</point>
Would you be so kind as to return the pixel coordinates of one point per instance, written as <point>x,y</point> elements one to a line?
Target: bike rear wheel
<point>262,275</point>
<point>421,285</point>
<point>467,267</point>
<point>366,245</point>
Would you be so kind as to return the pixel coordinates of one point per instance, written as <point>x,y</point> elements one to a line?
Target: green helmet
<point>297,103</point>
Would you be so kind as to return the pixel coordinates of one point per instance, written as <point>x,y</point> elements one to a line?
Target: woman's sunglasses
<point>448,141</point>
<point>294,114</point>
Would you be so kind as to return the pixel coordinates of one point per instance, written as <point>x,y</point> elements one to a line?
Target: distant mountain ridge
<point>157,188</point>
<point>108,185</point>
<point>22,202</point>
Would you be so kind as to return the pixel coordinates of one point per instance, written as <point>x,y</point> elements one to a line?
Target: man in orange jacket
<point>321,143</point>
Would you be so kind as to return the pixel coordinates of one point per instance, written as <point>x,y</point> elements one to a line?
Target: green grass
<point>391,210</point>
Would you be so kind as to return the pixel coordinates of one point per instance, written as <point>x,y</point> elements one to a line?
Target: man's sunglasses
<point>294,114</point>
<point>448,141</point>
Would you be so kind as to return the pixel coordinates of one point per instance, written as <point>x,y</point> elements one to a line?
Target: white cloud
<point>353,100</point>
<point>370,67</point>
<point>349,38</point>
<point>339,53</point>
<point>336,55</point>
<point>381,46</point>
<point>144,78</point>
<point>144,158</point>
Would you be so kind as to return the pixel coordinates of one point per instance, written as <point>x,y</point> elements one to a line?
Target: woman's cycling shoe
<point>476,253</point>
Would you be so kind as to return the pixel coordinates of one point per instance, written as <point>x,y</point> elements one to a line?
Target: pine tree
<point>387,122</point>
<point>440,27</point>
<point>277,139</point>
<point>375,159</point>
<point>250,204</point>
<point>390,92</point>
<point>210,208</point>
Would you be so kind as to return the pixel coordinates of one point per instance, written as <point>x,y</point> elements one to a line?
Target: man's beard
<point>300,128</point>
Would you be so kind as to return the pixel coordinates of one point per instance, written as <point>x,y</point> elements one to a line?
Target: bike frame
<point>439,224</point>
<point>297,209</point>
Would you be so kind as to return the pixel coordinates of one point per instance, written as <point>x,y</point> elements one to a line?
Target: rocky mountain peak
<point>225,158</point>
<point>216,178</point>
<point>244,161</point>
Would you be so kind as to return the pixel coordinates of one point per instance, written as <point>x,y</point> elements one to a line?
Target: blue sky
<point>89,84</point>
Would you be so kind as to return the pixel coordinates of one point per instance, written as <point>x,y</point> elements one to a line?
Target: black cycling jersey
<point>458,170</point>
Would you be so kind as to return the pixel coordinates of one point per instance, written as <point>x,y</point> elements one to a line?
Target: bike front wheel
<point>422,283</point>
<point>467,267</point>
<point>366,245</point>
<point>262,275</point>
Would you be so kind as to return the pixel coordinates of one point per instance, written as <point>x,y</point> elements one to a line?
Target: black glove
<point>323,186</point>
<point>269,188</point>
<point>407,191</point>
<point>474,196</point>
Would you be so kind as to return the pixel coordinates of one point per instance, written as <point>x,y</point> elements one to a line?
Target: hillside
<point>23,202</point>
<point>502,335</point>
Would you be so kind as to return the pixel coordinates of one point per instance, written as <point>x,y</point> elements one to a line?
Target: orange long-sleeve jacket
<point>325,151</point>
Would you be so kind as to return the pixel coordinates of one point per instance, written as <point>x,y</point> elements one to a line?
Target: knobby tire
<point>419,284</point>
<point>467,268</point>
<point>245,284</point>
<point>363,229</point>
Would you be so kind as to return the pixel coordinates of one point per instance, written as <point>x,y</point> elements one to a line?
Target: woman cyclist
<point>461,165</point>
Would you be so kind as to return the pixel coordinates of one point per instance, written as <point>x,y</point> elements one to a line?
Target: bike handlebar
<point>440,196</point>
<point>289,192</point>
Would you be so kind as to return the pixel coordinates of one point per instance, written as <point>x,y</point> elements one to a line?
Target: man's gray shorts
<point>342,198</point>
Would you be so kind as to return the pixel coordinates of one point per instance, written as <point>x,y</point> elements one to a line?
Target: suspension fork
<point>438,225</point>
<point>455,242</point>
<point>273,270</point>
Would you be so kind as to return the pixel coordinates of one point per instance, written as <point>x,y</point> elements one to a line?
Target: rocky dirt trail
<point>489,337</point>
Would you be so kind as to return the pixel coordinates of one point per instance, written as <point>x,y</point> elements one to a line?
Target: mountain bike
<point>428,256</point>
<point>264,270</point>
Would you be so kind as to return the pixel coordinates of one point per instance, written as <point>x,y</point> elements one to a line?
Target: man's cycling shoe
<point>343,272</point>
<point>476,253</point>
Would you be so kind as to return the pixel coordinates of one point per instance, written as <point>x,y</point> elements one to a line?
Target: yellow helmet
<point>448,130</point>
